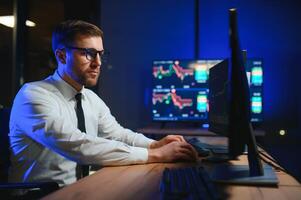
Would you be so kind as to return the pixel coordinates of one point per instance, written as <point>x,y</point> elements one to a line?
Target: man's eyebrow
<point>94,49</point>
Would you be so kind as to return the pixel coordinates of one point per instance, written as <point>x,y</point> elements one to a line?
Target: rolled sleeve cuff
<point>139,155</point>
<point>149,142</point>
<point>143,141</point>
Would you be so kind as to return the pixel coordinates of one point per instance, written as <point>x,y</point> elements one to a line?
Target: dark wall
<point>34,59</point>
<point>6,38</point>
<point>136,32</point>
<point>6,69</point>
<point>268,30</point>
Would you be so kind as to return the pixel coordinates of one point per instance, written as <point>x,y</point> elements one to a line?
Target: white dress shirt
<point>46,143</point>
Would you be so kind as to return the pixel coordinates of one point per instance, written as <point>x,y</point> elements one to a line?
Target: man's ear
<point>60,56</point>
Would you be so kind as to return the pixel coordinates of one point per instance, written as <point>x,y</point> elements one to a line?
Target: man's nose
<point>97,60</point>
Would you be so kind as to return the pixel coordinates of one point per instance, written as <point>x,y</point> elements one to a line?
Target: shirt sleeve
<point>37,114</point>
<point>109,128</point>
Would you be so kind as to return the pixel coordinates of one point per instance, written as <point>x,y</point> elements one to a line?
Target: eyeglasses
<point>91,53</point>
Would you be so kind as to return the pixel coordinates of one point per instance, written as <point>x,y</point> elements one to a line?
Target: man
<point>47,143</point>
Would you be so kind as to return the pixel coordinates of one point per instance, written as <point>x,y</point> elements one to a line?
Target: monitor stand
<point>240,174</point>
<point>255,173</point>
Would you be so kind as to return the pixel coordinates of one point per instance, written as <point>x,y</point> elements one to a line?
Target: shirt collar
<point>65,88</point>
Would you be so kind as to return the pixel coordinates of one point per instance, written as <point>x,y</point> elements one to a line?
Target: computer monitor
<point>181,87</point>
<point>230,115</point>
<point>180,90</point>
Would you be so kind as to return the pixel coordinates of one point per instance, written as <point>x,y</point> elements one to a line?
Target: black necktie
<point>81,126</point>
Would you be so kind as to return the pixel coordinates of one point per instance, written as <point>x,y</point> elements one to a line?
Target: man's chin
<point>90,83</point>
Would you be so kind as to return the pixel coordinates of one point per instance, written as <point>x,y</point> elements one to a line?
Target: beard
<point>88,80</point>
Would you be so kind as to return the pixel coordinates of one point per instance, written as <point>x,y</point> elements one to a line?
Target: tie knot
<point>78,97</point>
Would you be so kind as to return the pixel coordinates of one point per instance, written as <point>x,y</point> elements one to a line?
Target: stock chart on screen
<point>254,68</point>
<point>180,89</point>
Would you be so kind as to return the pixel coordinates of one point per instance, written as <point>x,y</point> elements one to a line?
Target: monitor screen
<point>180,90</point>
<point>254,68</point>
<point>181,87</point>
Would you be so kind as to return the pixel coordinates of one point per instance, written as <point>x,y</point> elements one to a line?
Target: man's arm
<point>109,128</point>
<point>36,114</point>
<point>159,151</point>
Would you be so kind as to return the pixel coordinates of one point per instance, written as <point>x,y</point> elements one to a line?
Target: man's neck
<point>78,87</point>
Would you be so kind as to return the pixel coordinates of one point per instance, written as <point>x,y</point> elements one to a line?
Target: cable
<point>272,161</point>
<point>267,155</point>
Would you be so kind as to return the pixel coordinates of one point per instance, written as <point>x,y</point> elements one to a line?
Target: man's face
<point>81,69</point>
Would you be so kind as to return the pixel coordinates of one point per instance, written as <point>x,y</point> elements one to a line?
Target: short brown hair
<point>64,34</point>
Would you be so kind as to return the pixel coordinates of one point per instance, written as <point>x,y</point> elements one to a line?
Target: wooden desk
<point>142,182</point>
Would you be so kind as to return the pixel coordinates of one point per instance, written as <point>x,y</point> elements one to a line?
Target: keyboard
<point>203,147</point>
<point>187,183</point>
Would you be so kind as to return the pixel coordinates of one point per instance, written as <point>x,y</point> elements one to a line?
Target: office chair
<point>6,188</point>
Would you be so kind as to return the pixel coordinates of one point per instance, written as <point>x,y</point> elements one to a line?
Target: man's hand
<point>173,151</point>
<point>166,140</point>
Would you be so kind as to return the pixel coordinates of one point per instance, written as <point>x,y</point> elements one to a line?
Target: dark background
<point>137,32</point>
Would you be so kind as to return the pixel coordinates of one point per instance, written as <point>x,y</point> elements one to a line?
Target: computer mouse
<point>202,151</point>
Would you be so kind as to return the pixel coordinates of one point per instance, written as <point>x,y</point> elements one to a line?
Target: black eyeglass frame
<point>90,53</point>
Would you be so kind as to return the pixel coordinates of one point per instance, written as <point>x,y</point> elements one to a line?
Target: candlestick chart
<point>180,89</point>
